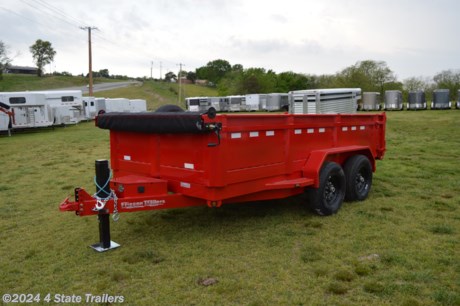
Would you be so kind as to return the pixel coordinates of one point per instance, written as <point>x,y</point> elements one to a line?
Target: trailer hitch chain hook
<point>100,204</point>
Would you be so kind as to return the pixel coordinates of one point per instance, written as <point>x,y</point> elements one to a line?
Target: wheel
<point>358,176</point>
<point>327,199</point>
<point>169,108</point>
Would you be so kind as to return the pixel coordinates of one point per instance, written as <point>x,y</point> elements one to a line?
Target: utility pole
<point>151,69</point>
<point>179,77</point>
<point>161,73</point>
<point>90,58</point>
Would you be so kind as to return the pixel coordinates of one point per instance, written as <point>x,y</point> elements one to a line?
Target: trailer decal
<point>189,166</point>
<point>142,204</point>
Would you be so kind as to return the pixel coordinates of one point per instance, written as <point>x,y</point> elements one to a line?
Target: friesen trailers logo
<point>142,204</point>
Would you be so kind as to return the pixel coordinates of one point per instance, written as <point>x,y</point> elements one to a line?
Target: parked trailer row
<point>416,100</point>
<point>239,103</point>
<point>34,109</point>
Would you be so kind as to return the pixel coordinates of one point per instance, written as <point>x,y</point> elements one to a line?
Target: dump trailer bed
<point>170,160</point>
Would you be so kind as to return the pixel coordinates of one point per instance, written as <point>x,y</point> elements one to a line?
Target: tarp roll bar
<point>162,123</point>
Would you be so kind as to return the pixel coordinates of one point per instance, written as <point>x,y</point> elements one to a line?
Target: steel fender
<point>315,161</point>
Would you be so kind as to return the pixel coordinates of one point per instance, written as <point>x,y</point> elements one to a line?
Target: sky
<point>416,38</point>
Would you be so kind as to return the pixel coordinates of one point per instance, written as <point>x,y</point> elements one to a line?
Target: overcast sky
<point>414,37</point>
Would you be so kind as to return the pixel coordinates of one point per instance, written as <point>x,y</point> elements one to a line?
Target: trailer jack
<point>103,192</point>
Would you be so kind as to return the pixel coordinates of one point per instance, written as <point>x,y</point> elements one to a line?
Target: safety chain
<point>101,202</point>
<point>115,215</point>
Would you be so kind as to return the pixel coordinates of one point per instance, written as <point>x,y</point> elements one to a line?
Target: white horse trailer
<point>30,110</point>
<point>324,101</point>
<point>5,117</point>
<point>198,104</point>
<point>67,105</point>
<point>112,105</point>
<point>256,102</point>
<point>236,103</point>
<point>276,102</point>
<point>218,104</point>
<point>193,104</point>
<point>89,103</point>
<point>137,105</point>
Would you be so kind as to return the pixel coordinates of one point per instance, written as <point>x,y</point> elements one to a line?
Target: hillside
<point>155,93</point>
<point>23,82</point>
<point>159,93</point>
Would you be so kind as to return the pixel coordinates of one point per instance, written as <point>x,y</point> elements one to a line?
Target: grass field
<point>399,247</point>
<point>23,82</point>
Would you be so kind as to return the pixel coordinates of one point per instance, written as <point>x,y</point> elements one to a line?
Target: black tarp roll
<point>161,123</point>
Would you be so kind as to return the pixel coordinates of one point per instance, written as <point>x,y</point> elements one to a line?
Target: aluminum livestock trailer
<point>416,100</point>
<point>457,104</point>
<point>324,101</point>
<point>371,101</point>
<point>167,160</point>
<point>441,99</point>
<point>393,100</point>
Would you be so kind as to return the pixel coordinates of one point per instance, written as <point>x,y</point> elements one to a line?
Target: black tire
<point>169,108</point>
<point>328,198</point>
<point>358,176</point>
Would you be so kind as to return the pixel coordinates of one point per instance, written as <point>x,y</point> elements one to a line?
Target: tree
<point>170,76</point>
<point>191,76</point>
<point>104,73</point>
<point>368,75</point>
<point>214,71</point>
<point>448,79</point>
<point>43,54</point>
<point>4,59</point>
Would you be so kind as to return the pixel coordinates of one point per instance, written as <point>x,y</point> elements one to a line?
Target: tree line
<point>43,53</point>
<point>369,75</point>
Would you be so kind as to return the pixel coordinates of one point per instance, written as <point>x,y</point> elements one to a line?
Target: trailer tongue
<point>181,159</point>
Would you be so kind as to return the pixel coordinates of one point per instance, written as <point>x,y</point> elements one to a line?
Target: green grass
<point>23,82</point>
<point>399,247</point>
<point>159,93</point>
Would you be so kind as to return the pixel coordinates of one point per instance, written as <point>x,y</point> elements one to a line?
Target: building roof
<point>21,67</point>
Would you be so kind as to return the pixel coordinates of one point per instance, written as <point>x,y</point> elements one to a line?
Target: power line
<point>59,11</point>
<point>50,14</point>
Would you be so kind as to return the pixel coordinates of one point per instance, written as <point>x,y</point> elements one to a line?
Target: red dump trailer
<point>179,159</point>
